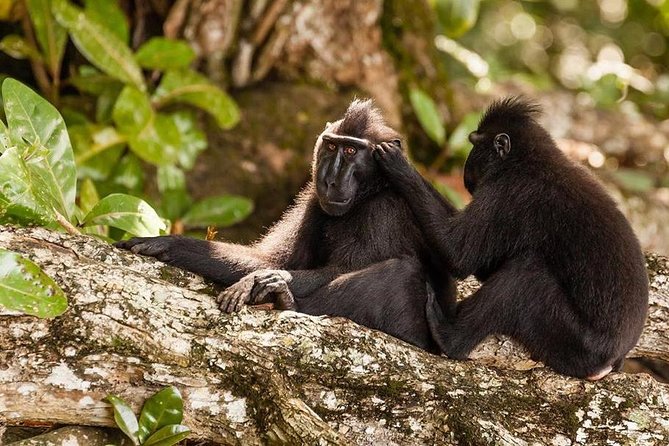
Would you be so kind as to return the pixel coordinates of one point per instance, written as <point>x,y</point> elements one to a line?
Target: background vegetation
<point>124,117</point>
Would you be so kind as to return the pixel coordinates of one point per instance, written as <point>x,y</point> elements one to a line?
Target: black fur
<point>365,260</point>
<point>563,272</point>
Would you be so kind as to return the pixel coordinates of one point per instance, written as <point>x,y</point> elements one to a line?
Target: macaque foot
<point>601,374</point>
<point>233,297</point>
<point>256,288</point>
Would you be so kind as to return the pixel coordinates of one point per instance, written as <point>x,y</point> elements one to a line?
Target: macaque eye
<point>331,147</point>
<point>350,150</point>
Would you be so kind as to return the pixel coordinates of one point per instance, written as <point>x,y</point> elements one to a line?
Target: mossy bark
<point>285,378</point>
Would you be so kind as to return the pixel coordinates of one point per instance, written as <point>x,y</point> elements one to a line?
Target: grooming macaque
<point>562,271</point>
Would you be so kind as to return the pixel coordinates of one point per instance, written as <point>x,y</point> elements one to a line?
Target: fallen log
<point>135,325</point>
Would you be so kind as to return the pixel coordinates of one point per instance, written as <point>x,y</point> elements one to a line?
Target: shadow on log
<point>135,325</point>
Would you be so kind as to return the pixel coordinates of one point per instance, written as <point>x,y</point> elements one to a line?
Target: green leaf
<point>108,13</point>
<point>634,180</point>
<point>96,149</point>
<point>218,211</point>
<point>98,44</point>
<point>161,53</point>
<point>456,17</point>
<point>126,212</point>
<point>150,135</point>
<point>24,287</point>
<point>88,195</point>
<point>125,418</point>
<point>19,48</point>
<point>32,119</point>
<point>162,409</point>
<point>187,86</point>
<point>428,115</point>
<point>168,435</point>
<point>20,199</point>
<point>50,35</point>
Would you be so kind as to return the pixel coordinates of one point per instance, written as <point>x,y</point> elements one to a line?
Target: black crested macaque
<point>349,247</point>
<point>562,271</point>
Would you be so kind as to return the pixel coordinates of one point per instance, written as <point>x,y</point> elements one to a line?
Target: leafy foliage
<point>159,422</point>
<point>38,176</point>
<point>37,171</point>
<point>134,118</point>
<point>99,44</point>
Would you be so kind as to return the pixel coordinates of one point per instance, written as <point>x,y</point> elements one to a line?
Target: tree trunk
<point>135,325</point>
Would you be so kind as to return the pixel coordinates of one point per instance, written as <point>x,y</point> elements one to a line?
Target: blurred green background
<point>208,109</point>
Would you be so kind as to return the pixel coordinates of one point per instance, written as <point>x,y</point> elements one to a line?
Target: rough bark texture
<point>135,325</point>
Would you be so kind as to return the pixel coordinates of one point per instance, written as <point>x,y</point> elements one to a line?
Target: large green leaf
<point>24,287</point>
<point>152,136</point>
<point>98,44</point>
<point>218,211</point>
<point>32,119</point>
<point>456,17</point>
<point>428,115</point>
<point>108,13</point>
<point>21,201</point>
<point>192,88</point>
<point>162,409</point>
<point>163,54</point>
<point>50,35</point>
<point>128,213</point>
<point>19,48</point>
<point>168,435</point>
<point>125,418</point>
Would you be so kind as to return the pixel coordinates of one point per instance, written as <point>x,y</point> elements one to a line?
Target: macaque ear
<point>502,143</point>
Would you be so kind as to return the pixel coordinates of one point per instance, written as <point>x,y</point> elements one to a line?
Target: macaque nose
<point>475,137</point>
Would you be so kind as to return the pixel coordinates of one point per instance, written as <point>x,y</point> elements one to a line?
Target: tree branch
<point>135,325</point>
